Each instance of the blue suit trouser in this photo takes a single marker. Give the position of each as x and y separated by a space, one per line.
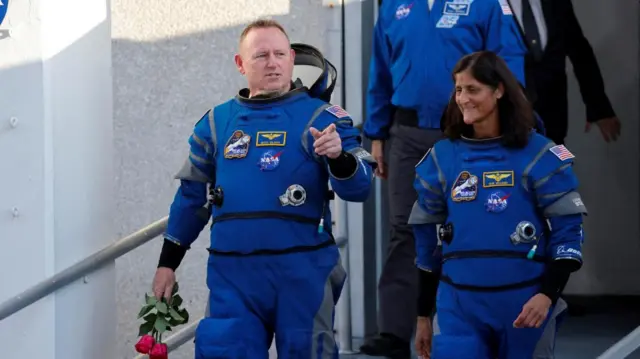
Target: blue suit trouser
479 325
253 298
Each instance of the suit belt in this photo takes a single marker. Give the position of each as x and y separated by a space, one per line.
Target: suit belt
275 215
409 117
406 117
491 254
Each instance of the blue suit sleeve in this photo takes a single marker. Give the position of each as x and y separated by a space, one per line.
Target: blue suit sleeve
539 124
504 39
355 186
188 215
380 89
428 211
555 185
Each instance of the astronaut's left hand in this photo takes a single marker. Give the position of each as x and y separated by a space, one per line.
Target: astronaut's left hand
328 142
534 312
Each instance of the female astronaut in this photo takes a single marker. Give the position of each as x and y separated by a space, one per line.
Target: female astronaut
503 202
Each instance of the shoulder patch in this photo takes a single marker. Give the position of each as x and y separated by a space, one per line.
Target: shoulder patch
506 8
424 157
337 111
561 152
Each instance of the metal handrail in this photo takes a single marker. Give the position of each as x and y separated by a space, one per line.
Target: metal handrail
189 332
624 347
96 261
82 268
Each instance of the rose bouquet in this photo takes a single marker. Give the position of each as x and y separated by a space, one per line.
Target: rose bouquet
159 316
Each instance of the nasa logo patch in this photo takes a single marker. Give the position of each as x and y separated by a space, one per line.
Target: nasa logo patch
403 11
496 202
465 188
269 161
4 5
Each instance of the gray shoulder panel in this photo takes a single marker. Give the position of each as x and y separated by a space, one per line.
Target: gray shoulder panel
305 141
191 173
441 177
570 203
530 165
420 216
214 136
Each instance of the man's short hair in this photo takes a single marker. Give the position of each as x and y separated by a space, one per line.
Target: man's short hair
262 24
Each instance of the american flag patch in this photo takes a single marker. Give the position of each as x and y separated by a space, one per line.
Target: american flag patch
561 152
506 9
337 111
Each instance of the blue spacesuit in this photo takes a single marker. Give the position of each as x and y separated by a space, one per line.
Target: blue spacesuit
415 50
506 214
273 265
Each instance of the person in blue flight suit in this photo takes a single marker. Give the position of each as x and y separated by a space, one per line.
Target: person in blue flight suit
416 43
268 156
510 219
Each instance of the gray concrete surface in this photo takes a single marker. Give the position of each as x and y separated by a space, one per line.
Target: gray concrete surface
171 62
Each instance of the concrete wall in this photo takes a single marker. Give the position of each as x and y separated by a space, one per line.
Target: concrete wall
172 61
56 187
609 172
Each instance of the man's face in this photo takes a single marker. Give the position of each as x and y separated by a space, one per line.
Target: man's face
266 60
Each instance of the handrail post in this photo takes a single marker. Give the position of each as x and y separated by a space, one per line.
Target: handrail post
343 309
343 312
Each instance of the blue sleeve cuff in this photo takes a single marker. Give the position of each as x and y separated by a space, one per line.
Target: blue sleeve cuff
428 254
567 237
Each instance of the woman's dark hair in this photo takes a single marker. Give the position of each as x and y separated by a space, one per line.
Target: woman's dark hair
514 110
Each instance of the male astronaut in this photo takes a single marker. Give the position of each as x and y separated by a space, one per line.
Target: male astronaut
269 155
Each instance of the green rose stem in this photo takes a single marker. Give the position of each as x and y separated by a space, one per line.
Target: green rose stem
160 316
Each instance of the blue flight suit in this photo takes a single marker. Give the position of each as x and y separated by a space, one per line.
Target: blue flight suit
415 50
491 266
273 265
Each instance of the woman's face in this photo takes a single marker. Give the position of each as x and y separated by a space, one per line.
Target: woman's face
476 101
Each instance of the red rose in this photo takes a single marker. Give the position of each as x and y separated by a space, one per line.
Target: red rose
145 344
159 351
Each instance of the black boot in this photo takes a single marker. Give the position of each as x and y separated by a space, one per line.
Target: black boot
387 345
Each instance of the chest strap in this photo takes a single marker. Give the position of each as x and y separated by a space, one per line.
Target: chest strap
265 214
492 253
269 252
497 288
